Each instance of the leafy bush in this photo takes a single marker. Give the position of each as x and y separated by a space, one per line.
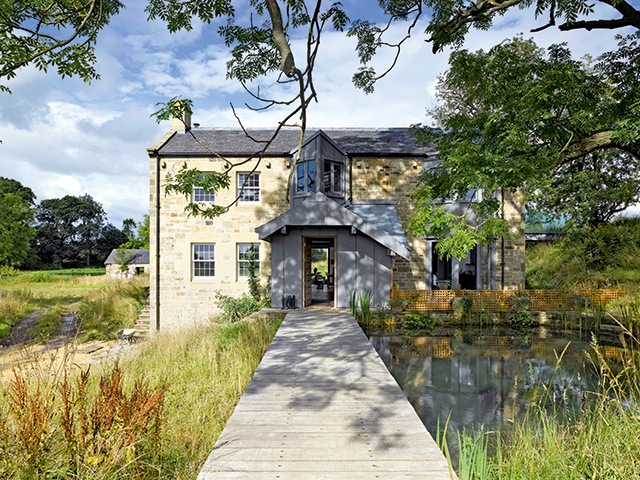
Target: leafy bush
418 321
600 257
461 307
236 308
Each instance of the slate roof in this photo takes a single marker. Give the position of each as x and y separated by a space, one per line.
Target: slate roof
137 257
353 141
320 210
384 215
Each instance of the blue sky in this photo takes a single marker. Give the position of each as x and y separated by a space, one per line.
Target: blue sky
65 137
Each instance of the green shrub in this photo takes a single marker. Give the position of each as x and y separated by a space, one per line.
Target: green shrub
236 308
461 307
423 321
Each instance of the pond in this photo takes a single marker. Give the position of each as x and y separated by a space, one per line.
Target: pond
487 378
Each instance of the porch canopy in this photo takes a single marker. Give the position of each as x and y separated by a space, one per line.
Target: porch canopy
377 220
363 239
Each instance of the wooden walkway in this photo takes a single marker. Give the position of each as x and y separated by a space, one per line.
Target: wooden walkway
322 405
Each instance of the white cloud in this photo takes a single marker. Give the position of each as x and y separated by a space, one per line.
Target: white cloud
65 137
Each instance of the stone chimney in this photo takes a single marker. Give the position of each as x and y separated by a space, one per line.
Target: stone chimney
181 123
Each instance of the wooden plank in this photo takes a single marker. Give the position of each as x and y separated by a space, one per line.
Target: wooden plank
323 405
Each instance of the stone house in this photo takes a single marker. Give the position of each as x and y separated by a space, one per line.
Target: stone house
136 261
349 196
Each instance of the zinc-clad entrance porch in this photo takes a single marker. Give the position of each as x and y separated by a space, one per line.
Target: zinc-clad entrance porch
322 405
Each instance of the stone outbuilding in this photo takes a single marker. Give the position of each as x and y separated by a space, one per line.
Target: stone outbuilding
127 263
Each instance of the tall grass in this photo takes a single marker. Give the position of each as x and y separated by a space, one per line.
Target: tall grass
601 442
155 414
14 304
114 307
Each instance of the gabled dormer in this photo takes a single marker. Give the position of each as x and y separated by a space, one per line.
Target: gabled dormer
322 168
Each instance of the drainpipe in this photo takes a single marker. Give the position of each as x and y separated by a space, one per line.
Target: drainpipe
157 285
502 238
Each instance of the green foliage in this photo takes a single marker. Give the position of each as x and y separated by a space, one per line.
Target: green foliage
235 309
604 256
365 297
492 104
138 240
16 218
70 230
14 304
107 311
461 307
60 35
122 258
423 321
186 179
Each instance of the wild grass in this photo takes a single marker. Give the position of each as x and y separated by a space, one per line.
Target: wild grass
601 442
14 304
601 257
155 414
108 310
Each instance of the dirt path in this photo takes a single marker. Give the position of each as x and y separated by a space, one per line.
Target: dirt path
17 351
22 331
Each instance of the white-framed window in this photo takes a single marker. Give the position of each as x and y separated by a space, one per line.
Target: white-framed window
249 187
200 195
248 253
203 260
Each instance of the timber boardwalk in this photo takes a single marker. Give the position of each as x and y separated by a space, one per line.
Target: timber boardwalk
322 405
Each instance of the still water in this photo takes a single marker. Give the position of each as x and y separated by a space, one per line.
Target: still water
486 379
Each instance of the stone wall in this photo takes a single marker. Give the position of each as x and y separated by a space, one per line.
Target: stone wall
394 179
185 300
514 246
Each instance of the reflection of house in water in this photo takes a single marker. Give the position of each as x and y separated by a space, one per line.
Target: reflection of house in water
477 381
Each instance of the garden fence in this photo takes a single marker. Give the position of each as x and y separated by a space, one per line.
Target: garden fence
498 300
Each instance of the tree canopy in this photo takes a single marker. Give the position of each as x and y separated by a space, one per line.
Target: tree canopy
16 217
517 116
571 109
72 232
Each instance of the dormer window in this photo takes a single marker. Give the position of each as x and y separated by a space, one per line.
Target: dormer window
305 177
320 169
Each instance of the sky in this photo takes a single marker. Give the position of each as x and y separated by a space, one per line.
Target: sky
65 137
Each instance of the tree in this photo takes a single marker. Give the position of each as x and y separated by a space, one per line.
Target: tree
16 217
69 230
517 116
452 19
60 35
138 239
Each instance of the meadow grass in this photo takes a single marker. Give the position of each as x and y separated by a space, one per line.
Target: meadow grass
602 442
155 414
59 291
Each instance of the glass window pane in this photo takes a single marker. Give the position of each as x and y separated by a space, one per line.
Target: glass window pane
200 195
311 177
203 260
337 178
300 178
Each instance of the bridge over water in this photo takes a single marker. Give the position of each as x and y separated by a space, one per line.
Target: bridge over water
322 405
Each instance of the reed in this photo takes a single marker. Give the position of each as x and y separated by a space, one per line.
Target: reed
600 442
154 414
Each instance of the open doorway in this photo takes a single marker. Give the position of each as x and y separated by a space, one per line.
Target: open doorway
319 268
